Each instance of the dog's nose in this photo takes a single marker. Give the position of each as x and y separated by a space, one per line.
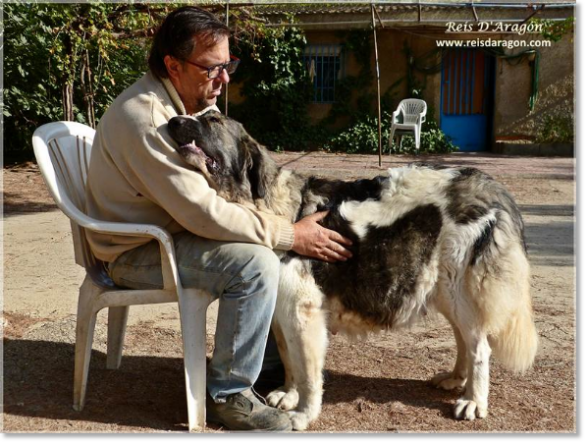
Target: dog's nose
179 121
176 122
183 129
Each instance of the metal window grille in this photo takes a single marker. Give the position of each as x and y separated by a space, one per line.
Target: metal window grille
325 67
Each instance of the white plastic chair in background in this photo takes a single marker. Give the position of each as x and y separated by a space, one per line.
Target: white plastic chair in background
409 116
62 150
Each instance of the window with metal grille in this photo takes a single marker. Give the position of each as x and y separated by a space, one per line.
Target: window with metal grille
325 67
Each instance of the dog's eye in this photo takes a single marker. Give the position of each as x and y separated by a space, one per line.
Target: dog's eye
214 119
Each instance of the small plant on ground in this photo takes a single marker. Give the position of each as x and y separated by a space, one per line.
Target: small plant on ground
557 129
362 137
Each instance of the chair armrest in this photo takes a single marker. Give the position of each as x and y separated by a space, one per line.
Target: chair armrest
394 117
169 270
124 228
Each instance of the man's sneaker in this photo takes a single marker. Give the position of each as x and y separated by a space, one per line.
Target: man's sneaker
243 411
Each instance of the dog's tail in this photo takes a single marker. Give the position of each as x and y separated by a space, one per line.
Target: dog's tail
507 303
515 346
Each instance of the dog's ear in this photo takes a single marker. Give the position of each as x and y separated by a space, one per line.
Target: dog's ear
261 168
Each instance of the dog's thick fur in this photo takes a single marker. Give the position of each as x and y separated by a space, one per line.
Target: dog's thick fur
424 237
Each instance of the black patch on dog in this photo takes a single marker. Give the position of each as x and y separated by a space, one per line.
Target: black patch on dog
473 194
386 264
466 204
482 243
336 192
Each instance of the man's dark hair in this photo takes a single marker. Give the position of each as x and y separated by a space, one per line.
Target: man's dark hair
176 35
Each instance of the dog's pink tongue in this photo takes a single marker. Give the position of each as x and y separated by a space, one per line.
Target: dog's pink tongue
193 148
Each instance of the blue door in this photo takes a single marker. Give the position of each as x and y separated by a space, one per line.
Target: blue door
466 95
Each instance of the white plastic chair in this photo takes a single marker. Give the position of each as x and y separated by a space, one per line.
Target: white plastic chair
409 116
62 150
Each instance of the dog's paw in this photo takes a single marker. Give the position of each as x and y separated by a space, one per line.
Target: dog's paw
283 399
447 381
274 397
299 421
469 409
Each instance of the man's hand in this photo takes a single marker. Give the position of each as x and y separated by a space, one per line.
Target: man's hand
313 240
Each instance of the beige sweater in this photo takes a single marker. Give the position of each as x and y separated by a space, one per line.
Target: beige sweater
136 176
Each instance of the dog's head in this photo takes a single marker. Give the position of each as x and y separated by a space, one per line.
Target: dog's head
234 164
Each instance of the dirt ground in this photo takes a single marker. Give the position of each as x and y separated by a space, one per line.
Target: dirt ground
375 386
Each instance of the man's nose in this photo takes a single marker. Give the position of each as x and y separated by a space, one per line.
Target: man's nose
224 77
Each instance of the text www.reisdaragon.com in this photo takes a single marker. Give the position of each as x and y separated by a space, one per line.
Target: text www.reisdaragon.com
492 43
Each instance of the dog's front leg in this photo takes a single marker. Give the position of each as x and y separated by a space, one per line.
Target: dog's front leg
307 345
302 323
305 335
285 397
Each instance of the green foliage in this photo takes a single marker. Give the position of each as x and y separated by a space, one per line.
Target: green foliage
28 97
362 137
553 30
277 88
68 61
358 44
557 128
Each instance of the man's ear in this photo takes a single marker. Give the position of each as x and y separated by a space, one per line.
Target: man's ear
261 169
173 66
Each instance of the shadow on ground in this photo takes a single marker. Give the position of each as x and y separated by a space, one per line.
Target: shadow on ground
145 392
347 388
550 240
15 203
149 392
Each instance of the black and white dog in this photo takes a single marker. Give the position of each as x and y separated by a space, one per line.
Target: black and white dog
424 237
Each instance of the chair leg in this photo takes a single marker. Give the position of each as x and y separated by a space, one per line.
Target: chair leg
417 137
192 308
86 322
390 143
117 317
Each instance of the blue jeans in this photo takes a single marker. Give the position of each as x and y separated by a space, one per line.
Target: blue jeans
244 277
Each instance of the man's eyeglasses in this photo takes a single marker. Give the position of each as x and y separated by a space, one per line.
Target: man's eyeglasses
215 71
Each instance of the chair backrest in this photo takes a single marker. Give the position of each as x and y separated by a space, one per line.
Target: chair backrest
62 150
411 109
